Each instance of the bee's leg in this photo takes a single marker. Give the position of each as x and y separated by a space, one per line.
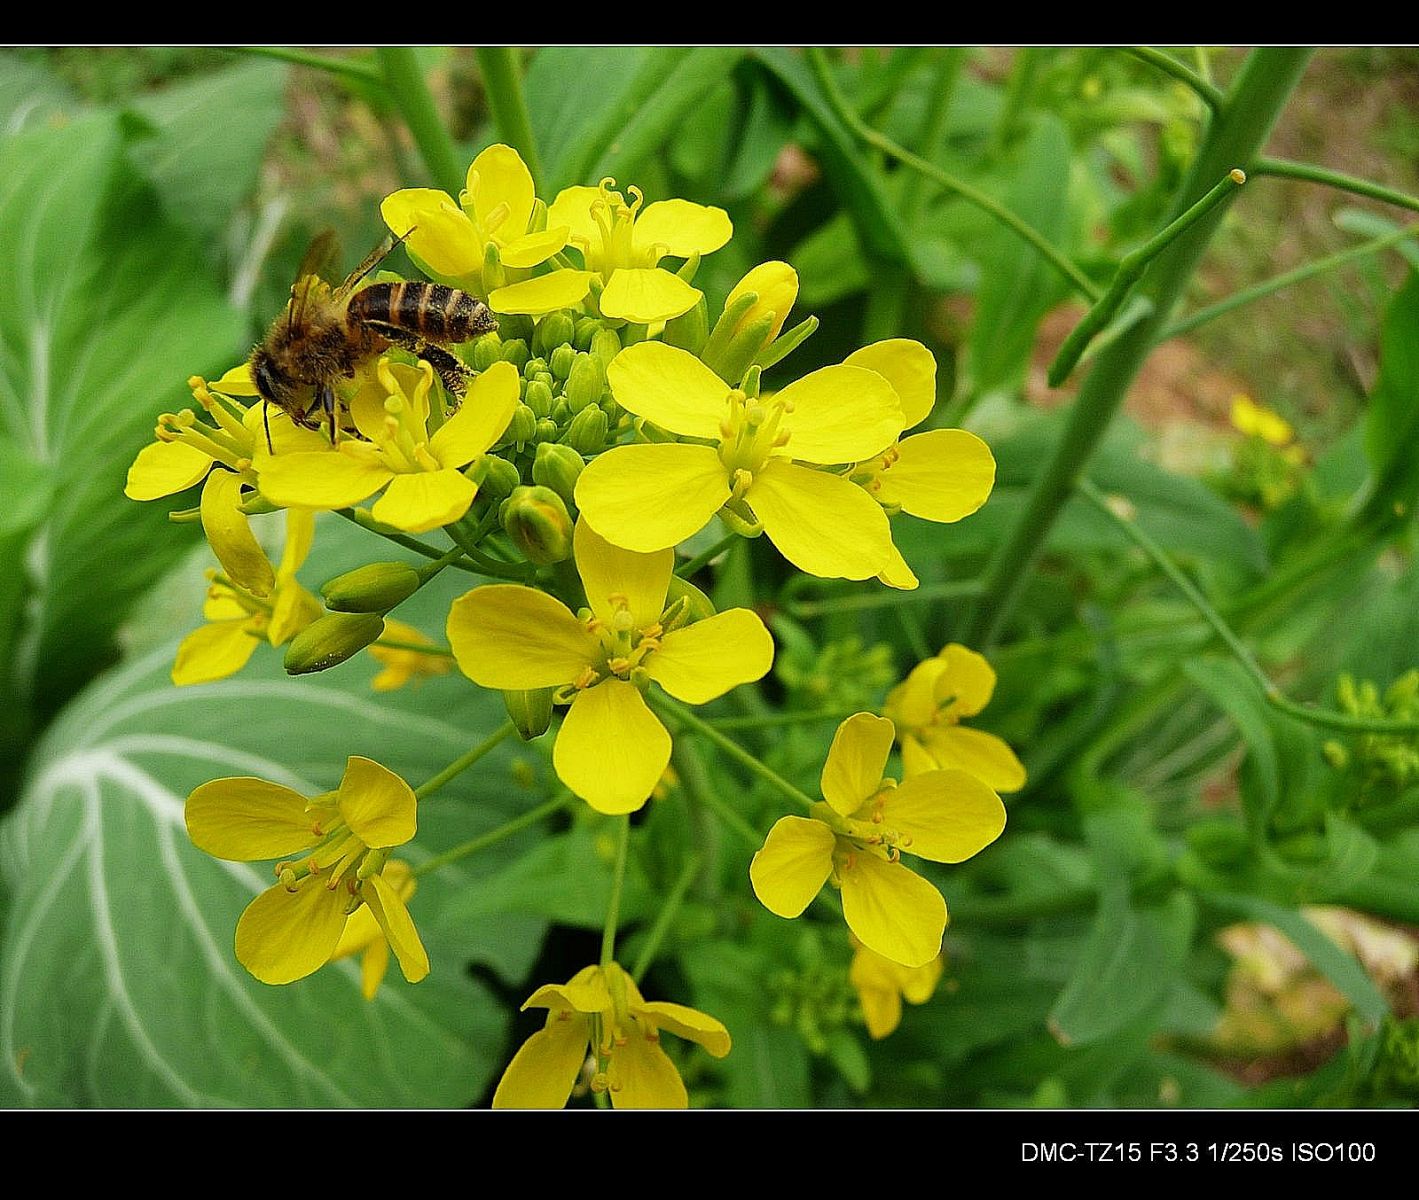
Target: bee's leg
449 368
266 421
326 395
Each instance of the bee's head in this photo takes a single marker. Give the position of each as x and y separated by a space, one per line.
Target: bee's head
274 384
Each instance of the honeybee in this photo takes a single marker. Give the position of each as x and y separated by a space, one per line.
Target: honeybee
326 332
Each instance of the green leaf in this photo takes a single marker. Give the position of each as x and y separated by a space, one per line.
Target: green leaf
106 309
112 909
1236 694
31 95
1392 424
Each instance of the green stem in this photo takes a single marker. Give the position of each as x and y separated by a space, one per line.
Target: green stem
665 917
695 785
705 557
461 764
953 590
492 837
350 69
778 720
942 179
613 905
1130 269
1247 296
933 129
502 78
417 647
1281 168
733 819
1325 718
1253 105
410 92
365 521
1209 92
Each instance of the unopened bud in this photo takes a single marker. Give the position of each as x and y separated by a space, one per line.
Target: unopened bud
487 350
586 329
495 477
331 640
538 522
494 276
690 330
693 605
516 352
586 380
555 329
561 361
587 432
547 430
557 467
539 398
523 426
530 711
374 588
561 412
606 345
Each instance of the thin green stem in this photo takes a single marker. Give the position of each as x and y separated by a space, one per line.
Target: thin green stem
665 917
404 79
417 647
779 720
1129 271
349 68
1209 92
1249 295
613 905
448 559
705 557
932 129
365 521
502 79
733 819
953 590
1280 168
1325 718
494 836
942 179
461 764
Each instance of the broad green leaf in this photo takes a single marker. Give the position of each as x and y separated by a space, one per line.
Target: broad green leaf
114 910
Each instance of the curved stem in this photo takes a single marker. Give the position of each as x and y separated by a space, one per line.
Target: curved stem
502 77
365 521
1209 92
407 87
1281 168
613 905
349 68
461 764
705 557
665 917
492 837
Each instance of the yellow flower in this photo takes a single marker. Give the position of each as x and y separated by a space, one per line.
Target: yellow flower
1251 419
927 708
611 749
621 245
855 840
601 1012
238 619
296 926
420 464
363 935
941 475
400 665
819 521
776 285
882 985
493 213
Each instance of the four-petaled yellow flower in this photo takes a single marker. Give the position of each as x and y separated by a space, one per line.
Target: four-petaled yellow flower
611 749
342 839
600 1012
363 935
927 708
647 497
855 840
941 475
238 619
882 985
1250 418
418 456
453 242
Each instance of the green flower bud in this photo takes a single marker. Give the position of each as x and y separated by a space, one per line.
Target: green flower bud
529 711
539 398
743 348
375 588
331 640
538 522
516 352
606 345
561 412
557 467
544 377
690 603
487 350
547 430
587 432
533 367
524 425
493 274
495 477
555 329
561 361
586 329
586 381
690 330
614 412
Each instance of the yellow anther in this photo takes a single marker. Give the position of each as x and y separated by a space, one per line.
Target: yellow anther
195 381
619 665
586 679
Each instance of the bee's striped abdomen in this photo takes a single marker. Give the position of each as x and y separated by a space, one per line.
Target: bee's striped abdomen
434 312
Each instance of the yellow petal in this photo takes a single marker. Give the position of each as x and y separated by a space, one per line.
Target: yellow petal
898 573
681 228
916 759
941 475
792 866
641 1074
229 534
376 803
442 235
670 387
389 910
607 570
498 177
546 293
300 536
237 382
611 750
821 523
245 819
919 983
545 1069
511 638
361 932
881 1010
374 963
213 652
424 500
913 702
892 910
532 249
841 414
164 468
646 294
857 761
584 992
968 682
688 1023
776 285
948 815
702 661
480 420
977 753
294 609
649 497
911 370
572 208
284 936
326 481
